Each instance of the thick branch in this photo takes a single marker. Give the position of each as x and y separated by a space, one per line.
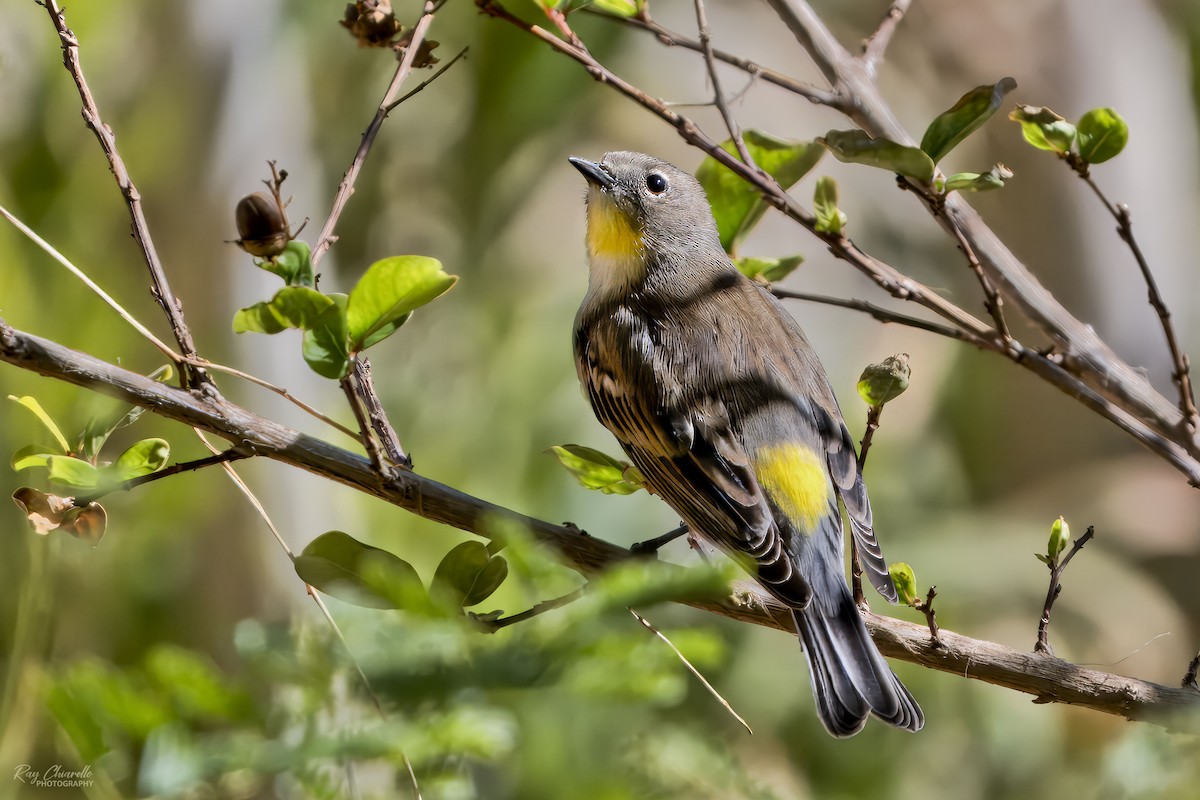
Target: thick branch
1047 678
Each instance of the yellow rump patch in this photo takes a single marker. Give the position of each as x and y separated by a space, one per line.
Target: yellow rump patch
611 236
795 478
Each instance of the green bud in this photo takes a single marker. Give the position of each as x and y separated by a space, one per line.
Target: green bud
884 382
1060 537
905 582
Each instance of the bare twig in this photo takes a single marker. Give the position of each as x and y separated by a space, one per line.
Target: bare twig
346 188
1056 568
355 392
735 132
926 607
1182 366
875 44
864 447
880 314
993 303
365 385
190 375
223 457
692 669
420 86
492 625
655 544
672 39
1049 679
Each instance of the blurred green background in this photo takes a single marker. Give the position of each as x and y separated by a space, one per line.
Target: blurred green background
189 590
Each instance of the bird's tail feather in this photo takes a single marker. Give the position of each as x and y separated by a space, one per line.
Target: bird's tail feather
850 679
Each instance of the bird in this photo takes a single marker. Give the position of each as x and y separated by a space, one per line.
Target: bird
714 393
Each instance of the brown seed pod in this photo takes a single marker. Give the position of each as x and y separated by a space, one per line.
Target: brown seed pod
261 225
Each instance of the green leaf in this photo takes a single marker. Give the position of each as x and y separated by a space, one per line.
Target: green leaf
1102 135
1060 537
388 292
883 382
334 563
965 117
36 407
737 206
103 425
1044 559
994 178
326 346
905 581
143 458
618 8
33 455
73 472
294 264
291 307
468 574
830 219
595 470
1044 129
768 269
856 147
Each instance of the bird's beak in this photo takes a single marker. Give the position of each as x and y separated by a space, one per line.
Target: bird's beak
595 174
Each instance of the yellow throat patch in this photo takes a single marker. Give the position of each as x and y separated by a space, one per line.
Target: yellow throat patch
796 479
613 242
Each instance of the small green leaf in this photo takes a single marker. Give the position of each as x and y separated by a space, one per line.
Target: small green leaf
33 455
294 264
388 292
595 470
291 307
326 347
1102 135
143 458
768 269
33 405
737 206
468 575
994 178
830 219
1045 559
965 117
1060 537
103 425
618 8
905 581
73 472
1044 129
856 147
883 382
334 563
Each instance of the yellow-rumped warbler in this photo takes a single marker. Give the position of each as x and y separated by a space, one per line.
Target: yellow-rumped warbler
717 397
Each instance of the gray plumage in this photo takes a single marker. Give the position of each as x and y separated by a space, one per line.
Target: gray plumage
699 372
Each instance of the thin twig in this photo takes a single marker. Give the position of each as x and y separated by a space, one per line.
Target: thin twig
654 545
875 44
692 669
1049 679
735 132
1182 365
864 447
392 107
493 625
1056 570
346 188
95 287
365 386
223 457
926 607
993 303
670 38
880 314
354 396
189 375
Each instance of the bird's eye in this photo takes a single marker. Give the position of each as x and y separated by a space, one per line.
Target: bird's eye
656 183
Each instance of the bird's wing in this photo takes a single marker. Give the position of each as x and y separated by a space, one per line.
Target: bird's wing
691 458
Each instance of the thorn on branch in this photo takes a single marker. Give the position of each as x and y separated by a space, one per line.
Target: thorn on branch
1056 570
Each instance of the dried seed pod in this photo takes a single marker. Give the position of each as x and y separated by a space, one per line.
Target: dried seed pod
371 22
261 225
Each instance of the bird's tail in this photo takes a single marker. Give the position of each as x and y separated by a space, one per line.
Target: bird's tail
850 679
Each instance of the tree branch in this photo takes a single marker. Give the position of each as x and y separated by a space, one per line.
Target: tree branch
1049 679
875 44
190 374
